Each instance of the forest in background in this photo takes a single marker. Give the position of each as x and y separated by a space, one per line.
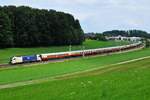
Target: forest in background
29 27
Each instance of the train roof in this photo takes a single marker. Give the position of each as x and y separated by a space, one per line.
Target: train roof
78 51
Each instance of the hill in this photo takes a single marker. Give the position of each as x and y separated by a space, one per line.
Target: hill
130 33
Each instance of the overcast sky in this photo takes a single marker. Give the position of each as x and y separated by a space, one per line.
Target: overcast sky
98 15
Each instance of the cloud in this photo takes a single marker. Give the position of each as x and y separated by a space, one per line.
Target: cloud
49 2
98 15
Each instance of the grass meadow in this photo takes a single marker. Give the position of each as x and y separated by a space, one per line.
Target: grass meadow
88 78
127 82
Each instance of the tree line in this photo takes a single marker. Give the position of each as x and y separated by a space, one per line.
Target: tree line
129 33
27 27
95 36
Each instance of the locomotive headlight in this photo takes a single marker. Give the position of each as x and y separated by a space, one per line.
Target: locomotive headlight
13 60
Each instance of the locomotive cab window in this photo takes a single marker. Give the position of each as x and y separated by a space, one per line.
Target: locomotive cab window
14 58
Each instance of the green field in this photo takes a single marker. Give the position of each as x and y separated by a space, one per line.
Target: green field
125 82
52 69
5 54
88 78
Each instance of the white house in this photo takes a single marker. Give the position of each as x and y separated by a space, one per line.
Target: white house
123 38
135 39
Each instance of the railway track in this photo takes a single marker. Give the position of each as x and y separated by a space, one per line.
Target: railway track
41 62
71 58
4 65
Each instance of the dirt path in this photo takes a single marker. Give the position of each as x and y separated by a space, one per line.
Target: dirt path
60 77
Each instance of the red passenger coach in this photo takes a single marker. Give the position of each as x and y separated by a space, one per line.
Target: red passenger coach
61 55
